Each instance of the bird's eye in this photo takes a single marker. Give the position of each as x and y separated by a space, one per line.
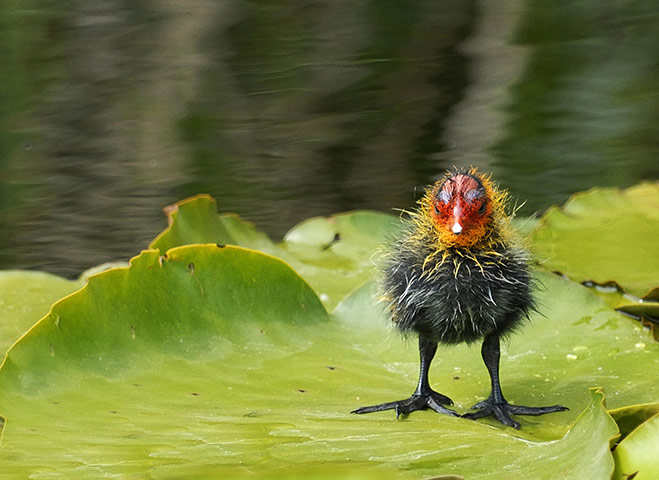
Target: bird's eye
482 209
436 209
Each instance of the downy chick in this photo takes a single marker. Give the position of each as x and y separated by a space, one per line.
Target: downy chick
459 274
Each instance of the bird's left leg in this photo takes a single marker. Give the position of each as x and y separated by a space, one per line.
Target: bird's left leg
424 396
496 404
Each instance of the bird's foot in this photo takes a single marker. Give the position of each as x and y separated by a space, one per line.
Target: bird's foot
432 400
502 411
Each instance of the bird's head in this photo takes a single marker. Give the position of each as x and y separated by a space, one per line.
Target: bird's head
462 207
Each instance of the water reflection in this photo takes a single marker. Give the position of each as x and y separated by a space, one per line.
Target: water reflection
585 110
285 110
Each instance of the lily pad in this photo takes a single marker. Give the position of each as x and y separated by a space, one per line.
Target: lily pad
195 220
648 309
334 254
630 418
645 309
604 235
25 297
637 456
221 362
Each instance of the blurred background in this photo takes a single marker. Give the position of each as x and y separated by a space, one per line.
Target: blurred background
282 110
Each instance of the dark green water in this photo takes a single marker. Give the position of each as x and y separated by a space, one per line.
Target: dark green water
284 110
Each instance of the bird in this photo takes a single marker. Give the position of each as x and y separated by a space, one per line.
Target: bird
459 273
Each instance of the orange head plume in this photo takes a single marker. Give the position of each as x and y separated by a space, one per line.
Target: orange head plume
464 209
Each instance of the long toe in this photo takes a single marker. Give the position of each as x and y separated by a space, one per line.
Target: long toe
410 405
480 405
484 412
441 399
521 410
500 412
440 408
376 408
404 407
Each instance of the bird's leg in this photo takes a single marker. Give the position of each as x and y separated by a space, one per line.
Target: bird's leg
424 396
496 404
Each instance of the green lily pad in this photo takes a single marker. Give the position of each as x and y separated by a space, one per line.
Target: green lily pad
637 456
604 235
221 362
645 309
334 254
629 418
195 220
25 297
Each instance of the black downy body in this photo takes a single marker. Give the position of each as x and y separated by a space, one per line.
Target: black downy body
464 299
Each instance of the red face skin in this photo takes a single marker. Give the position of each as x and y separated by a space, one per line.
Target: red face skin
461 211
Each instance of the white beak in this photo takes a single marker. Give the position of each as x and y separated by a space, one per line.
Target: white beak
457 228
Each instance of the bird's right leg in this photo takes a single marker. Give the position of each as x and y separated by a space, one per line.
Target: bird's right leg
424 396
496 405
